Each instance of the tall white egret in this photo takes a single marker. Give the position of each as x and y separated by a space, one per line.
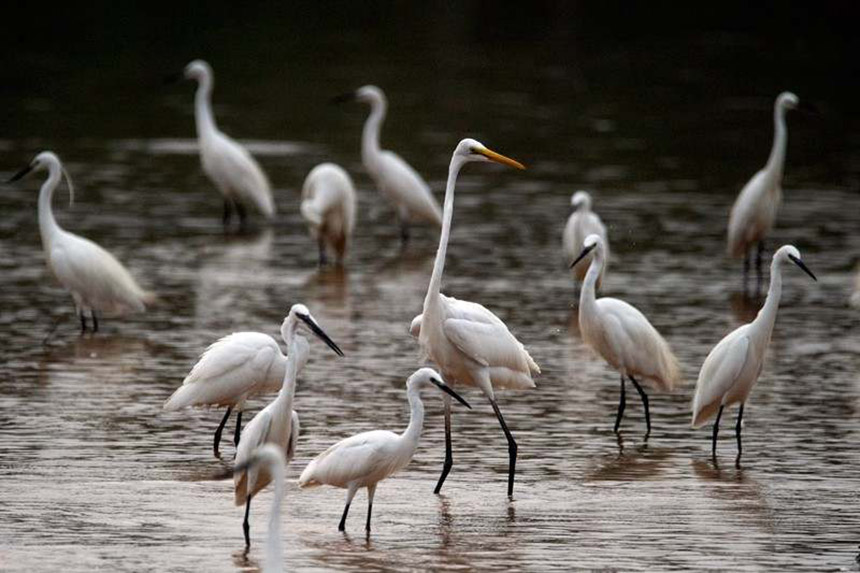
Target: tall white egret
270 459
581 223
623 336
329 205
754 212
394 178
366 459
227 164
240 366
734 365
470 344
97 281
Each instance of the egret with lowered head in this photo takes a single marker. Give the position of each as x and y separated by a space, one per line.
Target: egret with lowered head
581 223
366 459
328 205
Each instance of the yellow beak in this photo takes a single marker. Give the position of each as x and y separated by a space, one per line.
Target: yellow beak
499 158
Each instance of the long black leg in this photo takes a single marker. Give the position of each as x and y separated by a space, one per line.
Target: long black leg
449 454
714 435
228 212
219 430
644 397
404 231
323 257
758 264
622 403
512 448
95 321
83 323
246 527
746 268
370 491
243 215
342 525
237 433
738 435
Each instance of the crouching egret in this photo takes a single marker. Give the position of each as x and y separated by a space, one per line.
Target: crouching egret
328 205
470 344
733 366
268 458
96 280
394 178
754 211
227 164
366 459
240 366
623 336
581 223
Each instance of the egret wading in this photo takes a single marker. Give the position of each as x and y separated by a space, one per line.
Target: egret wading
329 205
97 281
366 459
622 335
240 366
732 368
581 223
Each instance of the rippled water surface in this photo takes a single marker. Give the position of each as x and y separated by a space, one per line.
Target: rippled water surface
664 129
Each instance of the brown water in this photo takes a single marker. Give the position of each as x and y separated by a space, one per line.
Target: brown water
664 130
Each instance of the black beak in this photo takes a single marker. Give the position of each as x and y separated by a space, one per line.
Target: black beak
448 390
343 98
172 78
803 267
315 328
20 174
808 108
582 255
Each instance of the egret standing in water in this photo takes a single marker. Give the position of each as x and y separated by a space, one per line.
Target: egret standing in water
734 365
366 459
328 205
97 281
240 366
470 344
581 223
754 212
623 336
394 178
229 165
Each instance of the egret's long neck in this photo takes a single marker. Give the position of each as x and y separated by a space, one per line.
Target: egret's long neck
416 418
776 161
274 553
370 149
435 286
288 388
48 226
588 295
767 314
203 109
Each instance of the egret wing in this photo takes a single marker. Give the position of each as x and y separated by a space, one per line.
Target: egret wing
720 371
255 434
355 458
294 436
488 344
234 164
400 181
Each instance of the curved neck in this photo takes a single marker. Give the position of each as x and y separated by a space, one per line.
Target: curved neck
435 286
291 373
416 418
776 161
48 226
588 296
274 553
203 108
767 314
370 149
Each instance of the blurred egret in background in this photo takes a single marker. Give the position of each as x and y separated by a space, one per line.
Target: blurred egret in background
329 205
581 223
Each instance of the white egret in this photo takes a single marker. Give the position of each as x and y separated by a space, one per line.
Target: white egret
329 205
366 459
394 178
97 281
581 223
227 164
240 366
623 336
470 344
754 211
733 366
268 458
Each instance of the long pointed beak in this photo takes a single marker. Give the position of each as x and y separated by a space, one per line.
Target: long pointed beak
20 174
448 390
802 266
582 255
343 98
315 328
499 158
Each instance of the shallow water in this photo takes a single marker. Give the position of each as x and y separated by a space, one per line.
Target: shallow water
95 475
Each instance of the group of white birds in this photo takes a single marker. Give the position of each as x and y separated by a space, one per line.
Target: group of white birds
468 344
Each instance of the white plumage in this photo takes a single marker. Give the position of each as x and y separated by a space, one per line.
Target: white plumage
581 223
329 206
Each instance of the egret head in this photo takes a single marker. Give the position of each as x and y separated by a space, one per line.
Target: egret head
581 200
45 160
790 252
471 150
370 95
300 317
197 70
590 243
787 100
427 376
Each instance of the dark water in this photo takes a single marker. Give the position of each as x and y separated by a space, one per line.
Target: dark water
663 127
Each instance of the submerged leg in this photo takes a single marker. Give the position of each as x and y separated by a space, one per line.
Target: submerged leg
644 397
622 403
95 321
512 447
738 435
350 493
221 429
714 435
238 431
246 527
449 455
371 489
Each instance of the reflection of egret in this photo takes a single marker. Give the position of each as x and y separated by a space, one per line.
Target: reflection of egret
581 223
328 205
734 365
639 463
242 365
366 459
96 280
623 336
395 178
470 344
